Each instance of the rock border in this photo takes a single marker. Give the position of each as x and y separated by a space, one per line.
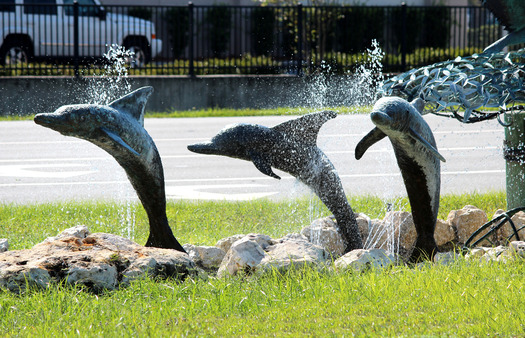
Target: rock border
103 261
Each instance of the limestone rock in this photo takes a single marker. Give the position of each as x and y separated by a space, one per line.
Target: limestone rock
364 223
496 253
323 232
486 254
225 243
14 277
405 228
444 232
498 213
79 231
207 257
98 261
290 237
263 240
475 253
446 258
506 230
362 259
396 228
4 244
518 248
466 221
377 236
293 251
97 275
244 255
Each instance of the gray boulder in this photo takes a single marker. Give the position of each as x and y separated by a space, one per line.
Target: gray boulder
293 251
225 243
243 257
362 259
323 232
207 257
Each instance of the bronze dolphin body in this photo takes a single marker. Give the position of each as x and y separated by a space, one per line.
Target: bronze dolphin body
291 147
118 128
418 160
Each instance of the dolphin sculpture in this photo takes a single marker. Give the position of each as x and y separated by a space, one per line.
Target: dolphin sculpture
291 147
118 128
418 159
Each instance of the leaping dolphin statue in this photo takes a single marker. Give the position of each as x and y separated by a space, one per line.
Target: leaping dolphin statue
118 128
418 159
291 147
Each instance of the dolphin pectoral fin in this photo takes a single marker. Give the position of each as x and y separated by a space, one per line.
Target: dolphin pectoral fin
263 165
366 142
425 143
133 103
305 128
119 140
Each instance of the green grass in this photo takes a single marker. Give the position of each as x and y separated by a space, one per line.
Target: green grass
462 299
221 112
224 112
205 222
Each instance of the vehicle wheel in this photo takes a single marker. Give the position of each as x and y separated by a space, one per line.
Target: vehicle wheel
12 53
140 54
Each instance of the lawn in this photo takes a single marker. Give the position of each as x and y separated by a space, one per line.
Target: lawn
465 298
222 112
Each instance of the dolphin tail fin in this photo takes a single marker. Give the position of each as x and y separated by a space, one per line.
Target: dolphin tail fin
426 144
305 128
119 140
374 136
134 103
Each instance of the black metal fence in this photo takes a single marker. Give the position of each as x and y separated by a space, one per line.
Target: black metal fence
192 40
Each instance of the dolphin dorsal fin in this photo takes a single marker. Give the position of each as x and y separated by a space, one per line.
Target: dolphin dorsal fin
133 103
305 128
419 104
374 136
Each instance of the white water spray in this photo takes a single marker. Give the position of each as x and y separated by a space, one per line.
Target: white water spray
111 84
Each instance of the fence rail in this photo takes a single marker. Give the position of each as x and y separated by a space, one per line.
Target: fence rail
193 40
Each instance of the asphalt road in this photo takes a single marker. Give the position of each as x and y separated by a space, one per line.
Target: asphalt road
40 165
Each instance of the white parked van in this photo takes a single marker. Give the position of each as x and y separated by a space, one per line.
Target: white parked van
44 29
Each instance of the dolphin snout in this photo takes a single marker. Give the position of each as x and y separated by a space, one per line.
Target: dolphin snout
43 119
55 122
380 118
203 148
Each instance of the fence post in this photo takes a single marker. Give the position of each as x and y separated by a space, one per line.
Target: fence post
75 38
191 38
299 55
403 36
514 153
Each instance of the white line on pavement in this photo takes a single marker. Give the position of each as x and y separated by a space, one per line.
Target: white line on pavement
72 140
229 179
191 155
